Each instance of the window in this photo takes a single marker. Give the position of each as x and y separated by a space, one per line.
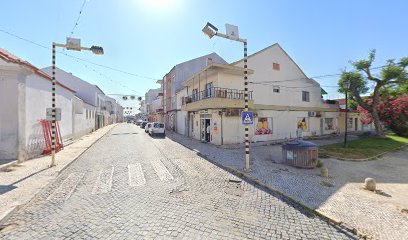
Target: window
328 124
276 89
195 94
276 66
350 123
305 96
208 88
86 113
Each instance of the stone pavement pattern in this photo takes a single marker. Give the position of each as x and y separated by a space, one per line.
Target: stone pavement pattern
22 181
340 196
131 186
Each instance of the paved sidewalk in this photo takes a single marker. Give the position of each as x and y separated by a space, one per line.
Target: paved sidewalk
340 196
21 182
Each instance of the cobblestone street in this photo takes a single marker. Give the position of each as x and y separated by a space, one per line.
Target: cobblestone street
340 197
132 186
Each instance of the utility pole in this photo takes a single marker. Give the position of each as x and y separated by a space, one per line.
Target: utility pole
72 44
346 85
232 34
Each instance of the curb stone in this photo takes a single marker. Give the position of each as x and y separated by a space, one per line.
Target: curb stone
334 221
7 165
14 209
69 164
4 217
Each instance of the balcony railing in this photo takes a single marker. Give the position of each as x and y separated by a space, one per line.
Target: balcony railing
216 92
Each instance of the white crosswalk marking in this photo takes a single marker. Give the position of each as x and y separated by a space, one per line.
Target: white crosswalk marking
161 170
67 187
136 176
104 182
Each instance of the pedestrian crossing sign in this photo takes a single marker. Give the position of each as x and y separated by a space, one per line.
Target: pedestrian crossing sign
247 118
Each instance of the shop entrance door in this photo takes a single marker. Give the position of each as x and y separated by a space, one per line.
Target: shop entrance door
205 130
202 128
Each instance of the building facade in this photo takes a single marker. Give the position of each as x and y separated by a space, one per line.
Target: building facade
25 95
284 100
173 83
105 113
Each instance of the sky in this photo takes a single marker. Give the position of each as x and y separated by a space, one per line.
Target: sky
144 39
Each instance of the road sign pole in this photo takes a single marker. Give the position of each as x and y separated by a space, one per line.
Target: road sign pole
247 166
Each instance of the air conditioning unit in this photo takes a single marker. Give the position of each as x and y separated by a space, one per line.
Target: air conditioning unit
312 114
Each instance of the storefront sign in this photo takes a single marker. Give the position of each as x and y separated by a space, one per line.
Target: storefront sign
203 111
264 126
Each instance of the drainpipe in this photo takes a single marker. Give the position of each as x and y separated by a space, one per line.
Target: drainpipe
222 129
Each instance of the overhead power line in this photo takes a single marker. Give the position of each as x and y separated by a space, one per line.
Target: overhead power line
77 58
315 77
82 62
79 16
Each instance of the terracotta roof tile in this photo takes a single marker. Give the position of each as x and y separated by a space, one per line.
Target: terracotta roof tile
11 58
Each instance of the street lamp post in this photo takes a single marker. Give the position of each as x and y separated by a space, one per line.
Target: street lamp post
211 31
346 86
72 44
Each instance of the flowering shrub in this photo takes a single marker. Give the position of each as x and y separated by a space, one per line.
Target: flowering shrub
393 112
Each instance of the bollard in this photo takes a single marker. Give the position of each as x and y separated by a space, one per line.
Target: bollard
324 172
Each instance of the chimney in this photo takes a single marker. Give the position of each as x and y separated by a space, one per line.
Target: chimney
209 61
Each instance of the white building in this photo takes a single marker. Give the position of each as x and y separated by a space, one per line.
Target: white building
282 98
25 94
90 93
173 82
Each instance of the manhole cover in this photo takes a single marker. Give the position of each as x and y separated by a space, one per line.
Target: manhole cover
234 188
4 229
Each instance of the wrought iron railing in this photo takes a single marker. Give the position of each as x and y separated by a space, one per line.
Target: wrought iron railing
216 92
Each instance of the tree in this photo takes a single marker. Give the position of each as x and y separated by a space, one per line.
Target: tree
392 77
393 112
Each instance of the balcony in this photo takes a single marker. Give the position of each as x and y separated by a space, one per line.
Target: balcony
214 98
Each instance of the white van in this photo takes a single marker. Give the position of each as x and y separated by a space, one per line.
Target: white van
147 127
157 128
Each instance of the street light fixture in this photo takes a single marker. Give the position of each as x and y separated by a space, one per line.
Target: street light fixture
232 34
71 44
346 86
210 30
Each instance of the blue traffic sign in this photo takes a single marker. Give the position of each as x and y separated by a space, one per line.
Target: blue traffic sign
247 118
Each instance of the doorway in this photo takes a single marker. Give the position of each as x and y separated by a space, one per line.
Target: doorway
356 124
206 130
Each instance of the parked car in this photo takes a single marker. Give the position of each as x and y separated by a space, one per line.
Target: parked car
157 128
138 122
147 127
143 124
129 121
